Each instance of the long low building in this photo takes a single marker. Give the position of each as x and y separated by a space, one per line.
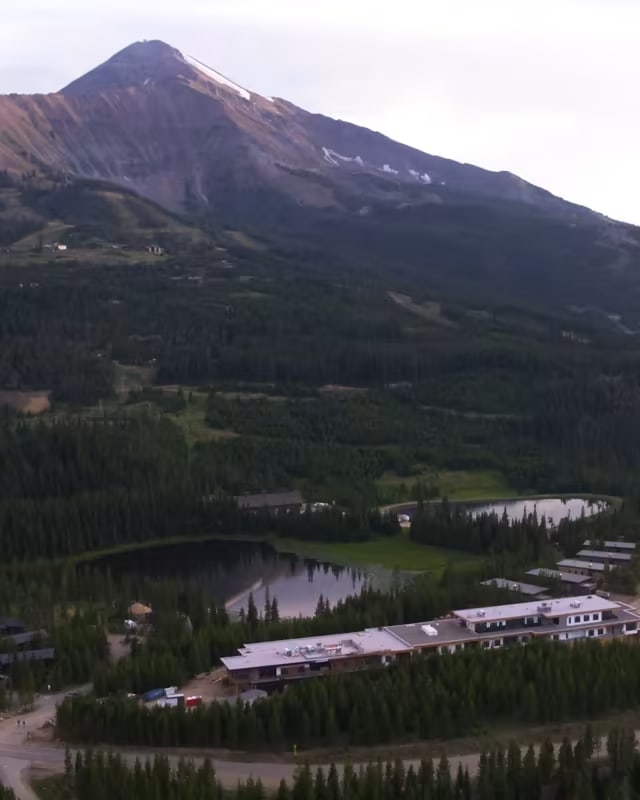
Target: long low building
602 555
19 644
576 582
594 569
612 544
566 619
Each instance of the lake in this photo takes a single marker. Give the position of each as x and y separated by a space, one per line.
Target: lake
231 570
553 509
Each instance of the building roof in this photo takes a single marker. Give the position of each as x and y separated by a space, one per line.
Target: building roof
515 586
537 608
593 566
9 623
554 574
610 544
313 649
42 654
269 500
604 555
446 632
25 638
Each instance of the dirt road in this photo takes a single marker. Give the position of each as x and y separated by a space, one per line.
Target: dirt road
17 755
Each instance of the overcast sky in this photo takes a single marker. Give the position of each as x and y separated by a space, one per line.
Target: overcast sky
547 89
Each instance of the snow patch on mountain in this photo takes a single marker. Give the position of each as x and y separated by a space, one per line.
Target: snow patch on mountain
388 168
424 176
333 158
217 77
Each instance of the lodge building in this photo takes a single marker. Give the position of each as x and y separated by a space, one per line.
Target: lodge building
563 620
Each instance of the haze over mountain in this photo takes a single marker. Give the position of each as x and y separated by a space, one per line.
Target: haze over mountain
179 133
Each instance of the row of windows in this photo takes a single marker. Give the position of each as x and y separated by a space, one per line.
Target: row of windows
585 618
590 632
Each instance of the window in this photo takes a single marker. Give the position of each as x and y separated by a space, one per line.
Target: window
591 632
586 618
600 631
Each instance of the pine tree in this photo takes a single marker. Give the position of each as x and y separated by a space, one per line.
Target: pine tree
252 612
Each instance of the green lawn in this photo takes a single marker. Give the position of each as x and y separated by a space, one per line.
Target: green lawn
477 485
484 484
397 552
193 423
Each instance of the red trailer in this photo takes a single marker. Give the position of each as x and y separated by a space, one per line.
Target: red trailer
193 702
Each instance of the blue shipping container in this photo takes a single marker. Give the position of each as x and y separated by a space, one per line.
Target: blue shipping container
153 694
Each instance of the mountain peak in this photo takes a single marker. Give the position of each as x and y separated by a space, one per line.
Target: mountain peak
149 63
139 62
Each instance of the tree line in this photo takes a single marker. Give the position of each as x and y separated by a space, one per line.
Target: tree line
444 524
74 486
580 770
438 696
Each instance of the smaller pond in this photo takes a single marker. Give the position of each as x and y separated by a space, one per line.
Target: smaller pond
229 571
553 509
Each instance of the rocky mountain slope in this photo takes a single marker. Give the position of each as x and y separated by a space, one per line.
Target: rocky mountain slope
189 138
165 128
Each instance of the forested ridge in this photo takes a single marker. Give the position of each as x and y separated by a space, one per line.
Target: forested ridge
177 385
499 388
75 485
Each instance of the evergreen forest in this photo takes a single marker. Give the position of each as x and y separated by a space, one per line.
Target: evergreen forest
438 697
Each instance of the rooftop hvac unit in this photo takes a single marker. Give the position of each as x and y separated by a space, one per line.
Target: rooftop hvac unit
576 604
482 613
429 630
